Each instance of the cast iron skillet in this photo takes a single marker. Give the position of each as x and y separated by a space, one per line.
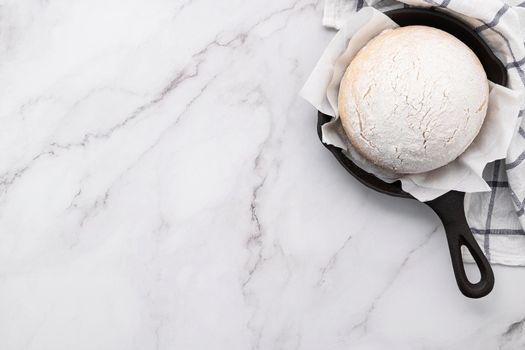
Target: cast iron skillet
449 207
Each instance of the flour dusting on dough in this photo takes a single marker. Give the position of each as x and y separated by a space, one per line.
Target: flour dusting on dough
413 99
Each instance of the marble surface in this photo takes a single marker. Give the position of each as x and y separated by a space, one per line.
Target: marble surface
162 187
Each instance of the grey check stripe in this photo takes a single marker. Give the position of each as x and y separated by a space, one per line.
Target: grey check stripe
486 242
520 205
516 162
522 132
445 3
502 184
515 64
522 113
495 20
496 231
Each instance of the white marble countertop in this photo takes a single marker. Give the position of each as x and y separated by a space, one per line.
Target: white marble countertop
162 187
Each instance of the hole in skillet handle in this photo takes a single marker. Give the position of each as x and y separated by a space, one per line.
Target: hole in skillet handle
456 227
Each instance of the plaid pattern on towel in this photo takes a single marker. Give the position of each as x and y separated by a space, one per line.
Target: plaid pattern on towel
496 218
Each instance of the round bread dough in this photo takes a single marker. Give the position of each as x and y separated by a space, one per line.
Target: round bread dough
413 99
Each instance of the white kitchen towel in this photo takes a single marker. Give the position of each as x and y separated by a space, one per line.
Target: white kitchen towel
497 217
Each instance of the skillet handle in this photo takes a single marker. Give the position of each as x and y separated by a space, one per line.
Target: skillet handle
449 208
